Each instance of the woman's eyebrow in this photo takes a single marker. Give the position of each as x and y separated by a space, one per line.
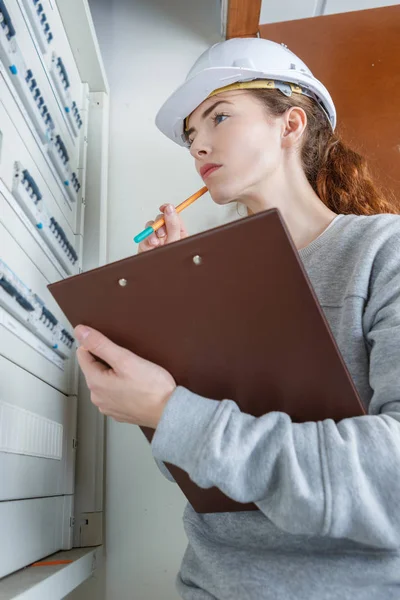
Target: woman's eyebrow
206 113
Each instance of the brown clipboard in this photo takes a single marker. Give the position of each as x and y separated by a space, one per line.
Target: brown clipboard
230 313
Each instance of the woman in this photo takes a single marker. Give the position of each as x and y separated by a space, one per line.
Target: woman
328 493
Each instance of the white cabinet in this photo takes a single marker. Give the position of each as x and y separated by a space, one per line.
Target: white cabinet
53 164
37 438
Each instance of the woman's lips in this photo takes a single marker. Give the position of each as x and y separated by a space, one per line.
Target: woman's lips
209 171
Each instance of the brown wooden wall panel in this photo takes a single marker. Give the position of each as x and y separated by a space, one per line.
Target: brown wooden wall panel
243 18
357 57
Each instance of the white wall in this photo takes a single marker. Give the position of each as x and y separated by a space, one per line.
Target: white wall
147 46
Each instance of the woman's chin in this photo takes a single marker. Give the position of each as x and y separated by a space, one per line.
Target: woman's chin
221 195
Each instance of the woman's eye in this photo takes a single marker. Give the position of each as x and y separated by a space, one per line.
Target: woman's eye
218 116
216 121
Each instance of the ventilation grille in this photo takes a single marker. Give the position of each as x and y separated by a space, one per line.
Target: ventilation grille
24 432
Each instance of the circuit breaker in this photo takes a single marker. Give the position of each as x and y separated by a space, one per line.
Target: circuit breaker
47 114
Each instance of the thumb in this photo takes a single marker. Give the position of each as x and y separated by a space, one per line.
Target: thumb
172 223
99 345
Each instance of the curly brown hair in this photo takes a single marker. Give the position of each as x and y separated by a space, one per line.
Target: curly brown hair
339 175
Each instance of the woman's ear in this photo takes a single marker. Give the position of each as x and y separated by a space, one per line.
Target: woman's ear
294 124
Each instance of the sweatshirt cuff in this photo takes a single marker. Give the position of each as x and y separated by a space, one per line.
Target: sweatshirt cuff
180 434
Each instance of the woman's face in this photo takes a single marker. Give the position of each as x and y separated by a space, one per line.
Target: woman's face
239 135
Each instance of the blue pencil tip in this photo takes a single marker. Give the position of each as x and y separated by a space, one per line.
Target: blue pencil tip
143 235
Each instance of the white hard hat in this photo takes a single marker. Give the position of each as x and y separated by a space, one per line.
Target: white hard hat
240 60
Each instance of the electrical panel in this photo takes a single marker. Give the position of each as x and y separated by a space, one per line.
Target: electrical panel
47 112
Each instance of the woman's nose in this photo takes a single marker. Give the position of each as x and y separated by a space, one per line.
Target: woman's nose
199 147
199 153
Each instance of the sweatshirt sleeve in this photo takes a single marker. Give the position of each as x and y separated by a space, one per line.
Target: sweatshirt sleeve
315 478
164 471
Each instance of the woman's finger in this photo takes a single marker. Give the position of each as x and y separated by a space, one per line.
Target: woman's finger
150 242
91 368
161 232
173 230
172 223
183 231
153 240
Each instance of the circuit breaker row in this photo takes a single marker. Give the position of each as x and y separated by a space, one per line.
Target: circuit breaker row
43 146
48 91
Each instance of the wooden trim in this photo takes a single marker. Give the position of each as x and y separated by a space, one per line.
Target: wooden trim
243 18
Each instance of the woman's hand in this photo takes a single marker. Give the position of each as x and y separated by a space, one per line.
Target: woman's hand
172 231
132 390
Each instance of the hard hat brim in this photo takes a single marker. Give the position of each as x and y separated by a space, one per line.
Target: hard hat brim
194 91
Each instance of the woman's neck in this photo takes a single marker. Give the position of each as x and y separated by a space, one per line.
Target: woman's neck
304 213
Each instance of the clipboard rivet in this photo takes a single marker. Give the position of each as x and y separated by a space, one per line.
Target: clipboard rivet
123 282
197 260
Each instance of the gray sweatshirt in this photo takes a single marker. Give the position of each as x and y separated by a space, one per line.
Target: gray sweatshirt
328 525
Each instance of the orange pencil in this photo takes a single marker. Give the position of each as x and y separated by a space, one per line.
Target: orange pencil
149 230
